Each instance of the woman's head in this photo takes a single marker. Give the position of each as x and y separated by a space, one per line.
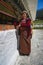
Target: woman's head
24 15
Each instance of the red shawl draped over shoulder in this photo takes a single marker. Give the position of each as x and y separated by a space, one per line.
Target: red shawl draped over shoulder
27 25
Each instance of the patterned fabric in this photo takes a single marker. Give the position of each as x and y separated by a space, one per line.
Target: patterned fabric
27 25
25 37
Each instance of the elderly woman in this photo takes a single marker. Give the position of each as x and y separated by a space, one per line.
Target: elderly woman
25 34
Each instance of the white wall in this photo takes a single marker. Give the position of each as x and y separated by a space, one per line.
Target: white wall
8 47
31 5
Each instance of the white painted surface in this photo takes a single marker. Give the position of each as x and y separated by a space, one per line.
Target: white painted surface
8 47
31 7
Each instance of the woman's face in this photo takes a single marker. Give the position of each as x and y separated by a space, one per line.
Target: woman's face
24 16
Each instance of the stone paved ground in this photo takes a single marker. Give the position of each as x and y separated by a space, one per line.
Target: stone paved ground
36 56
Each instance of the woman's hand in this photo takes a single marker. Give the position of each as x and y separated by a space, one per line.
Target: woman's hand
17 27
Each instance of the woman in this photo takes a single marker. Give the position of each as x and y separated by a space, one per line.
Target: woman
25 34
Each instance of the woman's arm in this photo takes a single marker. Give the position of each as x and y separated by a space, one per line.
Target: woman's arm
17 27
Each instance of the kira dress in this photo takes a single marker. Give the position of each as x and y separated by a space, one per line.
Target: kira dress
25 37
